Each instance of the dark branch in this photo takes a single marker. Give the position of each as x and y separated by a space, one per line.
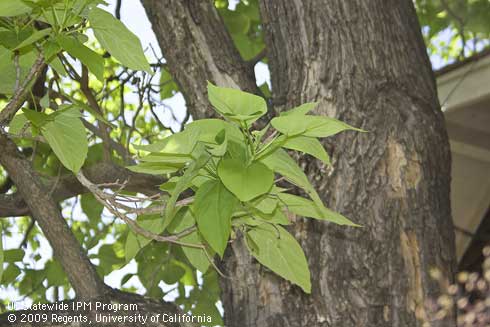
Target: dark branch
20 93
13 205
80 271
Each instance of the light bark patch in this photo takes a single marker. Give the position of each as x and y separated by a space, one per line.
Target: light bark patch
410 253
396 162
403 173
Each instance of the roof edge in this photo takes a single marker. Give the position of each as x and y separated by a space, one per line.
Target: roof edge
451 67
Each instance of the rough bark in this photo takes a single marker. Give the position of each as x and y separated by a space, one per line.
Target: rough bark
67 250
197 48
67 186
364 61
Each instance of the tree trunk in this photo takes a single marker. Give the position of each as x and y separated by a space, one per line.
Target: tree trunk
364 61
197 48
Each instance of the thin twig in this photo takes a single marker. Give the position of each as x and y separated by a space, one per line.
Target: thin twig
133 225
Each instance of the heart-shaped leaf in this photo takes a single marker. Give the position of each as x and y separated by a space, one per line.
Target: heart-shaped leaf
245 181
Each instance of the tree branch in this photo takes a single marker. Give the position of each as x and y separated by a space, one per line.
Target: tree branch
81 273
21 92
13 205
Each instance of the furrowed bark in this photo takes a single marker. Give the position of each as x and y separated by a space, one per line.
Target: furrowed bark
81 273
364 61
197 48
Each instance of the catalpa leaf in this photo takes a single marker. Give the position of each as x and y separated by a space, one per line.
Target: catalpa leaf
197 257
154 168
208 130
309 145
181 143
280 161
236 104
312 126
306 208
36 36
135 242
213 207
246 181
66 135
118 40
91 59
183 183
280 252
1 251
13 8
300 110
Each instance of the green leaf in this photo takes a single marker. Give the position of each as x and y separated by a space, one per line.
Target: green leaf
257 218
219 149
51 48
55 274
245 181
172 273
313 126
197 257
13 255
236 104
118 40
247 46
309 145
36 36
1 251
236 23
266 92
265 204
213 207
167 85
13 8
37 119
154 168
280 252
10 274
182 143
207 308
67 137
306 208
135 242
173 159
91 207
17 124
280 162
208 129
82 106
183 183
300 110
8 70
91 59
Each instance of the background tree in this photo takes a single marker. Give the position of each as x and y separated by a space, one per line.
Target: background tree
363 62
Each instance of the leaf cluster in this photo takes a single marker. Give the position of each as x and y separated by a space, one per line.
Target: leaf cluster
232 172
